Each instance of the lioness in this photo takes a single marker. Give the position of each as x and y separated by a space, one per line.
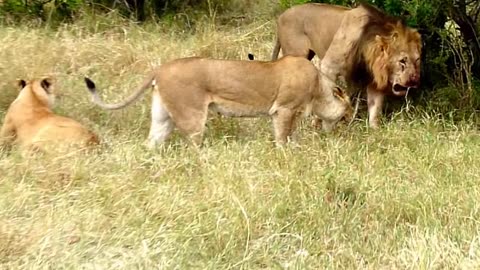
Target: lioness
362 46
184 90
31 124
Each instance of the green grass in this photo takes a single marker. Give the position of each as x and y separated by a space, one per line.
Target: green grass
403 197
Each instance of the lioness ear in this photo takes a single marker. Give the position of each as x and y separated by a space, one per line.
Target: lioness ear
21 83
341 94
46 84
338 92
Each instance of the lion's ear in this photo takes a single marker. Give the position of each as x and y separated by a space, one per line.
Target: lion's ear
400 24
381 42
394 36
415 37
47 83
21 83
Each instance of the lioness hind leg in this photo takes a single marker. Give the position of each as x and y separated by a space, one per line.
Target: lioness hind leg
162 125
283 125
299 46
192 124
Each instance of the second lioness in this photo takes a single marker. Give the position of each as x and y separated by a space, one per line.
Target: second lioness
184 90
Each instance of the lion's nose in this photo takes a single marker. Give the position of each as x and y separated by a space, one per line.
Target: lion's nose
414 80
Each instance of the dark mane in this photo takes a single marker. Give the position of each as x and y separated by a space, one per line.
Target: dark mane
379 23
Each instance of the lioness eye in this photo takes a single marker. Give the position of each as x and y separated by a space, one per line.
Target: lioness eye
403 61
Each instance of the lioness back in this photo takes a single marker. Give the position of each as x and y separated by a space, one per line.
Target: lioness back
62 130
247 88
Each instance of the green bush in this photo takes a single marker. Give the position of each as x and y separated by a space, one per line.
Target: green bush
46 10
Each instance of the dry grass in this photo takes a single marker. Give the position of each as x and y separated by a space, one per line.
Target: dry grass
405 196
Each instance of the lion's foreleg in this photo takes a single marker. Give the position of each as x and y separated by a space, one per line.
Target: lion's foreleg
375 104
283 125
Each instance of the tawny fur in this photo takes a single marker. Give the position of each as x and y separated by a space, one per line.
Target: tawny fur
31 123
361 47
185 89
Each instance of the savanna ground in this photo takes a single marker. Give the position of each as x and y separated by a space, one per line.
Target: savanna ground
403 197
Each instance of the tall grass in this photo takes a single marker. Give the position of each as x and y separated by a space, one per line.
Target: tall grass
405 196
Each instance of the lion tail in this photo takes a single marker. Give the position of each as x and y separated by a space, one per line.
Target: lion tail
148 82
276 49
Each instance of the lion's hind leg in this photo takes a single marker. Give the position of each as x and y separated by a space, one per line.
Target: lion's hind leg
298 46
191 121
194 126
162 124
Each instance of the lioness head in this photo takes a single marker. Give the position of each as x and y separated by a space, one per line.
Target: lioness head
342 95
43 89
395 59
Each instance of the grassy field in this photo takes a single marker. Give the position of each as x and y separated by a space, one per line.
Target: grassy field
403 197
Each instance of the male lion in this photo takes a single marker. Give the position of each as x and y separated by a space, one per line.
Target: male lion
32 125
184 90
361 46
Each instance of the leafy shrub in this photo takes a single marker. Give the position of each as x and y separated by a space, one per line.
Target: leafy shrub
46 10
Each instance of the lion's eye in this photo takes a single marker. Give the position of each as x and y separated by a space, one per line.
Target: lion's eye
403 61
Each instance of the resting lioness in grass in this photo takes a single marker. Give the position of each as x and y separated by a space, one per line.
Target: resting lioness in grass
32 125
184 90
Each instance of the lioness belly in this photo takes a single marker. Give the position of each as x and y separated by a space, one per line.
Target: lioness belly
233 109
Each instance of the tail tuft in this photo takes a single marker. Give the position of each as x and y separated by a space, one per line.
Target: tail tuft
90 85
251 56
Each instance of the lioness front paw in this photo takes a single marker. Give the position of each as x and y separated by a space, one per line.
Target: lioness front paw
150 144
374 124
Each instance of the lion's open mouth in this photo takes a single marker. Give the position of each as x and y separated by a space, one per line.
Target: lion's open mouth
400 90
